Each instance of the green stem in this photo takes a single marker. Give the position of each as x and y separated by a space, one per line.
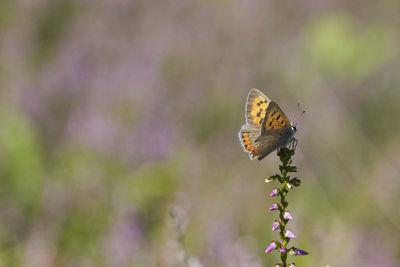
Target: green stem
284 191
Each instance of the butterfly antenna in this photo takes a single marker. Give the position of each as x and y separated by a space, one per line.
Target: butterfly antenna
298 116
294 115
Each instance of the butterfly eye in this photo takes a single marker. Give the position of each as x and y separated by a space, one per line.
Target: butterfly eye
294 128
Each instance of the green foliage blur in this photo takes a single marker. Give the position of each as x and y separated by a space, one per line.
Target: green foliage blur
113 112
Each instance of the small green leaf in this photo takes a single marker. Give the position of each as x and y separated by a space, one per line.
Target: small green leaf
275 176
296 182
272 178
291 169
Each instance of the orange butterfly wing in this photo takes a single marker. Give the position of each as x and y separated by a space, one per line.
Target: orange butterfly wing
256 107
247 136
274 119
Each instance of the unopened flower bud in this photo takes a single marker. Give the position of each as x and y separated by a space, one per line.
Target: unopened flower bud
275 225
287 215
274 207
289 234
271 247
297 252
272 178
274 192
288 186
268 180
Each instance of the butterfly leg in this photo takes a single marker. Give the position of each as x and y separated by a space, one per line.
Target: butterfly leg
293 144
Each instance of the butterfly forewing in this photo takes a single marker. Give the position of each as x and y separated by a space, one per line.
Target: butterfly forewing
274 119
256 107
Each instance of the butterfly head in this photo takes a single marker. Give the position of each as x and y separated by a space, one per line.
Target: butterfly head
294 127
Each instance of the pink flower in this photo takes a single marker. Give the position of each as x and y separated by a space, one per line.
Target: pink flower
273 207
271 247
275 225
274 192
287 215
289 234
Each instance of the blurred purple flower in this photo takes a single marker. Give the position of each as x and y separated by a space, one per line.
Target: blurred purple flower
225 248
93 129
156 139
123 244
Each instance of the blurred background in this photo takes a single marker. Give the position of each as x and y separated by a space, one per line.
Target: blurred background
114 111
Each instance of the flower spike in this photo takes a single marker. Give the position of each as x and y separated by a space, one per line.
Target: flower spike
286 184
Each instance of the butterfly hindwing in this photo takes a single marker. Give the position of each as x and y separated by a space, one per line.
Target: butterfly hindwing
247 135
256 107
268 143
274 119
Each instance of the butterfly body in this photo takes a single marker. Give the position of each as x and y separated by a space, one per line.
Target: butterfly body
267 128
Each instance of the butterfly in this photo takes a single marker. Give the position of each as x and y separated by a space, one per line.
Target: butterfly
267 128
